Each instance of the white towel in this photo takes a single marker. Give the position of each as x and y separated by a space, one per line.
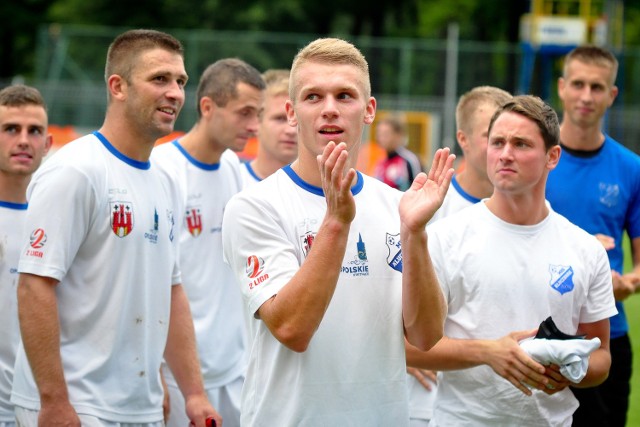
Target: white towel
571 355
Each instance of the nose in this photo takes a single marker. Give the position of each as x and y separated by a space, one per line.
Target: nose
176 91
586 95
290 131
506 153
253 124
329 107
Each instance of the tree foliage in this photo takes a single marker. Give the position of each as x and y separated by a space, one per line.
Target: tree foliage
496 20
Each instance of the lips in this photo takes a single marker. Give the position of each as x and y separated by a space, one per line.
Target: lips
331 130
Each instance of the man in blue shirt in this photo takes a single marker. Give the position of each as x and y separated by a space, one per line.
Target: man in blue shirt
597 186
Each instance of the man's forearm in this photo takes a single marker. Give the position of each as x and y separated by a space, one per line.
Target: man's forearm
40 331
423 305
181 351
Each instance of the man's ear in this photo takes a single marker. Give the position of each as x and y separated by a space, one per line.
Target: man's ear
553 157
207 106
370 112
291 114
117 87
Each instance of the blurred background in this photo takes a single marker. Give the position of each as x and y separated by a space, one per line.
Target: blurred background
423 53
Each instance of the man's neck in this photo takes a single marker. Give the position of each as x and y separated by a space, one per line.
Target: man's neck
263 167
199 146
474 184
127 139
579 138
13 188
524 209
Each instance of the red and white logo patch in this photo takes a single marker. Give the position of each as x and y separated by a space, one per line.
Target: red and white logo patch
194 221
121 218
255 265
38 238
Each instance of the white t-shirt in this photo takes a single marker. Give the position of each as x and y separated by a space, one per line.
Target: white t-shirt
214 296
354 370
421 400
248 175
498 278
102 224
11 230
455 200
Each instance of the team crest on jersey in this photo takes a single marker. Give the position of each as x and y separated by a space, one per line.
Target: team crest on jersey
307 241
609 194
37 240
254 270
394 258
561 278
194 221
359 266
152 234
121 218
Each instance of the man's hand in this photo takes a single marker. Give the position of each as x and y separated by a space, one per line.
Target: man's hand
58 414
512 363
337 182
199 409
557 382
427 192
624 285
607 241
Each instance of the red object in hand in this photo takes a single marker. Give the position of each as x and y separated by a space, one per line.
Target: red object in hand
210 422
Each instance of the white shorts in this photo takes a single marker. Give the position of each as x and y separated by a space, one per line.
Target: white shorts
7 424
29 418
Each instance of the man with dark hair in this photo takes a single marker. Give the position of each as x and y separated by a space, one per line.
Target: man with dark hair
597 187
204 166
99 294
506 264
23 144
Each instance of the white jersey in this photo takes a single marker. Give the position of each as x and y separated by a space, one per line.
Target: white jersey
455 200
421 400
102 225
214 297
498 278
354 370
249 176
11 230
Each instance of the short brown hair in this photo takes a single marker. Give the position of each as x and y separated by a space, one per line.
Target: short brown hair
537 111
593 55
395 122
220 81
20 95
124 50
276 81
471 100
330 51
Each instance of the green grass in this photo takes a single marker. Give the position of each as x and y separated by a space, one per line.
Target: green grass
632 309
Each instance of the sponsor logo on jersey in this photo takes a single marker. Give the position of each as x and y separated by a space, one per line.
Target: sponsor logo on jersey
152 234
121 218
394 258
359 266
561 278
37 240
194 221
609 194
254 269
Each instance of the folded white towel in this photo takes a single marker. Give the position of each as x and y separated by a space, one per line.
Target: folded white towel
571 355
